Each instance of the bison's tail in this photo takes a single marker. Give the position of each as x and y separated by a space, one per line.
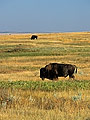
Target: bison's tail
75 71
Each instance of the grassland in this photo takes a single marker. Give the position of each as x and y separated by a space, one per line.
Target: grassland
24 96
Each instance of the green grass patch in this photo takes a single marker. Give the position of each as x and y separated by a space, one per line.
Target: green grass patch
47 86
21 50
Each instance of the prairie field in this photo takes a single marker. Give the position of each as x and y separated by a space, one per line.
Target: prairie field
24 96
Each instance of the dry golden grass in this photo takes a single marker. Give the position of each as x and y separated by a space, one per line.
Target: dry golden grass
66 41
44 105
15 65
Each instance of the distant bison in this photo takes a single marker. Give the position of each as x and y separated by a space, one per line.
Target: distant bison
54 70
34 37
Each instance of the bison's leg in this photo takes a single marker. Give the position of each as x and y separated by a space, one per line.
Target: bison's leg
43 79
55 74
72 76
55 79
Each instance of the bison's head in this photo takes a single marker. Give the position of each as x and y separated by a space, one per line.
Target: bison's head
42 73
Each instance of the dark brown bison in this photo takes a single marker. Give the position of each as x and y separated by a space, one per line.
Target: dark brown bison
54 70
34 37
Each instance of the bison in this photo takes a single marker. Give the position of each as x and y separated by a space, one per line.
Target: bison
34 37
54 70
